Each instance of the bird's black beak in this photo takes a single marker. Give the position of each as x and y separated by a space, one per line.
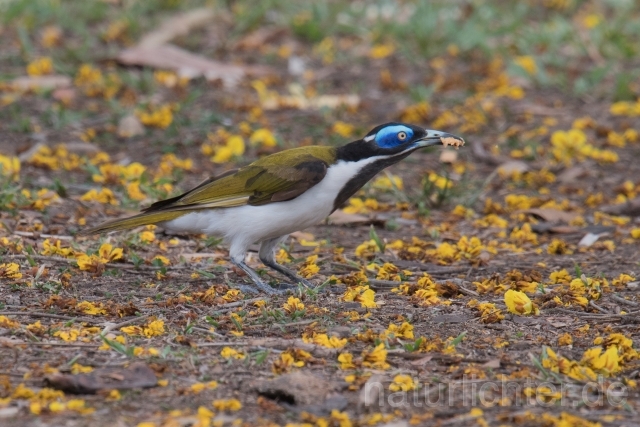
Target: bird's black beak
436 137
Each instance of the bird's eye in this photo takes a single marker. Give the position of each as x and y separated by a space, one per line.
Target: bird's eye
402 136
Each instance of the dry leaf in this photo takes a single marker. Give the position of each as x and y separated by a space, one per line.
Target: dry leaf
630 208
572 174
303 103
551 215
10 341
396 423
28 154
483 155
212 255
260 37
493 363
450 318
138 375
41 82
175 26
9 411
558 324
296 66
129 126
153 51
340 217
589 239
299 388
370 392
513 166
81 148
334 101
187 64
525 320
448 156
64 94
301 235
422 361
563 229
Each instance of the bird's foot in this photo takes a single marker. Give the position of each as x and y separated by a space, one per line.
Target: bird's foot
285 286
247 289
280 288
307 284
258 287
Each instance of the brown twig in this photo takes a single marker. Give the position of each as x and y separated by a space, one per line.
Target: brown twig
624 301
430 268
346 266
38 235
288 325
61 344
12 374
462 289
41 258
132 267
588 316
121 266
280 344
111 326
226 344
49 315
215 334
467 292
379 285
597 307
227 307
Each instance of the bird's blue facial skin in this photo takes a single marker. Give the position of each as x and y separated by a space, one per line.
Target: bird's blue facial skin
392 136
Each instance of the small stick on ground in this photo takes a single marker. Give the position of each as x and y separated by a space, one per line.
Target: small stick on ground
288 325
227 307
61 344
206 331
380 285
111 326
44 236
624 301
459 283
49 315
121 266
597 307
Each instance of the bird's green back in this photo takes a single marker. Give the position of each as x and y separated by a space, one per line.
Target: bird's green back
277 177
274 178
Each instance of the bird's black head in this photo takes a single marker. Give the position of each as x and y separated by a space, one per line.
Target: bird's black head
392 139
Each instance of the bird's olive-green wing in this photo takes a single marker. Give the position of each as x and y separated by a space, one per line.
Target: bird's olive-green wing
279 177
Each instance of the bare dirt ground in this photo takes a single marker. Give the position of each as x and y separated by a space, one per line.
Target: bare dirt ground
493 285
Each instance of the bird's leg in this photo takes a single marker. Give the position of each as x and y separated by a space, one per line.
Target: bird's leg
267 256
237 253
255 278
247 289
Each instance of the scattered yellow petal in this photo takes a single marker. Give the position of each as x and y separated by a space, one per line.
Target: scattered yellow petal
227 405
402 383
519 303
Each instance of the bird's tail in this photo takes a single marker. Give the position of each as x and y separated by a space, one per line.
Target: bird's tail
145 218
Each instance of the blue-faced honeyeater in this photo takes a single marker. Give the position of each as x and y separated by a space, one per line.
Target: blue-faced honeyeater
281 193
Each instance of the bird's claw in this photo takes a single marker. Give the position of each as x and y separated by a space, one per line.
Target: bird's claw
257 288
307 284
285 287
247 289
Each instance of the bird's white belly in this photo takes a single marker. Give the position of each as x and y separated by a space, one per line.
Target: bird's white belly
252 224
